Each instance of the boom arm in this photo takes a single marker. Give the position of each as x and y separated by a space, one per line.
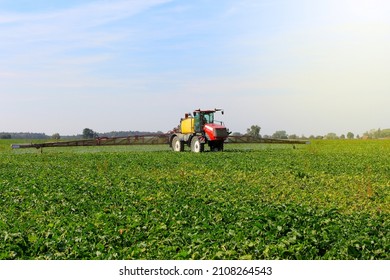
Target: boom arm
154 139
102 141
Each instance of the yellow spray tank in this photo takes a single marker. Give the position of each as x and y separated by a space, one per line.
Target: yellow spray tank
187 125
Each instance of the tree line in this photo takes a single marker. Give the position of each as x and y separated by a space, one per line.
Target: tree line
377 133
254 131
90 134
87 133
23 135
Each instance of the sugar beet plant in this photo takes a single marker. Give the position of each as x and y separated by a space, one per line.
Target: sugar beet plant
326 200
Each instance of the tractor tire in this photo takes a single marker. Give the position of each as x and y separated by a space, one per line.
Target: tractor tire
177 145
196 145
216 147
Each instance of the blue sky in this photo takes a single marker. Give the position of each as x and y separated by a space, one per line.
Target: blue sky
307 67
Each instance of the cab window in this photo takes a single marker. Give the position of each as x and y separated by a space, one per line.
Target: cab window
208 117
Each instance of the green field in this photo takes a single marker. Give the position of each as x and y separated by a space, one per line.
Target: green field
326 200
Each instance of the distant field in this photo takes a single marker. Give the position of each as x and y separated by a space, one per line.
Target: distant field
326 200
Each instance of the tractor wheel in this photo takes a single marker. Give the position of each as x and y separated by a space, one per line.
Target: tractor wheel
177 145
216 147
196 145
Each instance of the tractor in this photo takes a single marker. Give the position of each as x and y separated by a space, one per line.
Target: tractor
198 129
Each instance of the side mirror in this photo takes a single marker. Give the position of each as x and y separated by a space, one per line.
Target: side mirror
222 112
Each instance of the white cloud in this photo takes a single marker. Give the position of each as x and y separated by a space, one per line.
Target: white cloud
65 48
54 32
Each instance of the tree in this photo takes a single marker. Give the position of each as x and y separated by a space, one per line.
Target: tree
331 135
280 134
377 133
56 136
350 135
254 131
89 133
5 136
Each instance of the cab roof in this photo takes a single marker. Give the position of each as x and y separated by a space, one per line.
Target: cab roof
207 111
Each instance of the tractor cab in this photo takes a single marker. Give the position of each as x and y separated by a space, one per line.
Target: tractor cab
204 117
205 124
